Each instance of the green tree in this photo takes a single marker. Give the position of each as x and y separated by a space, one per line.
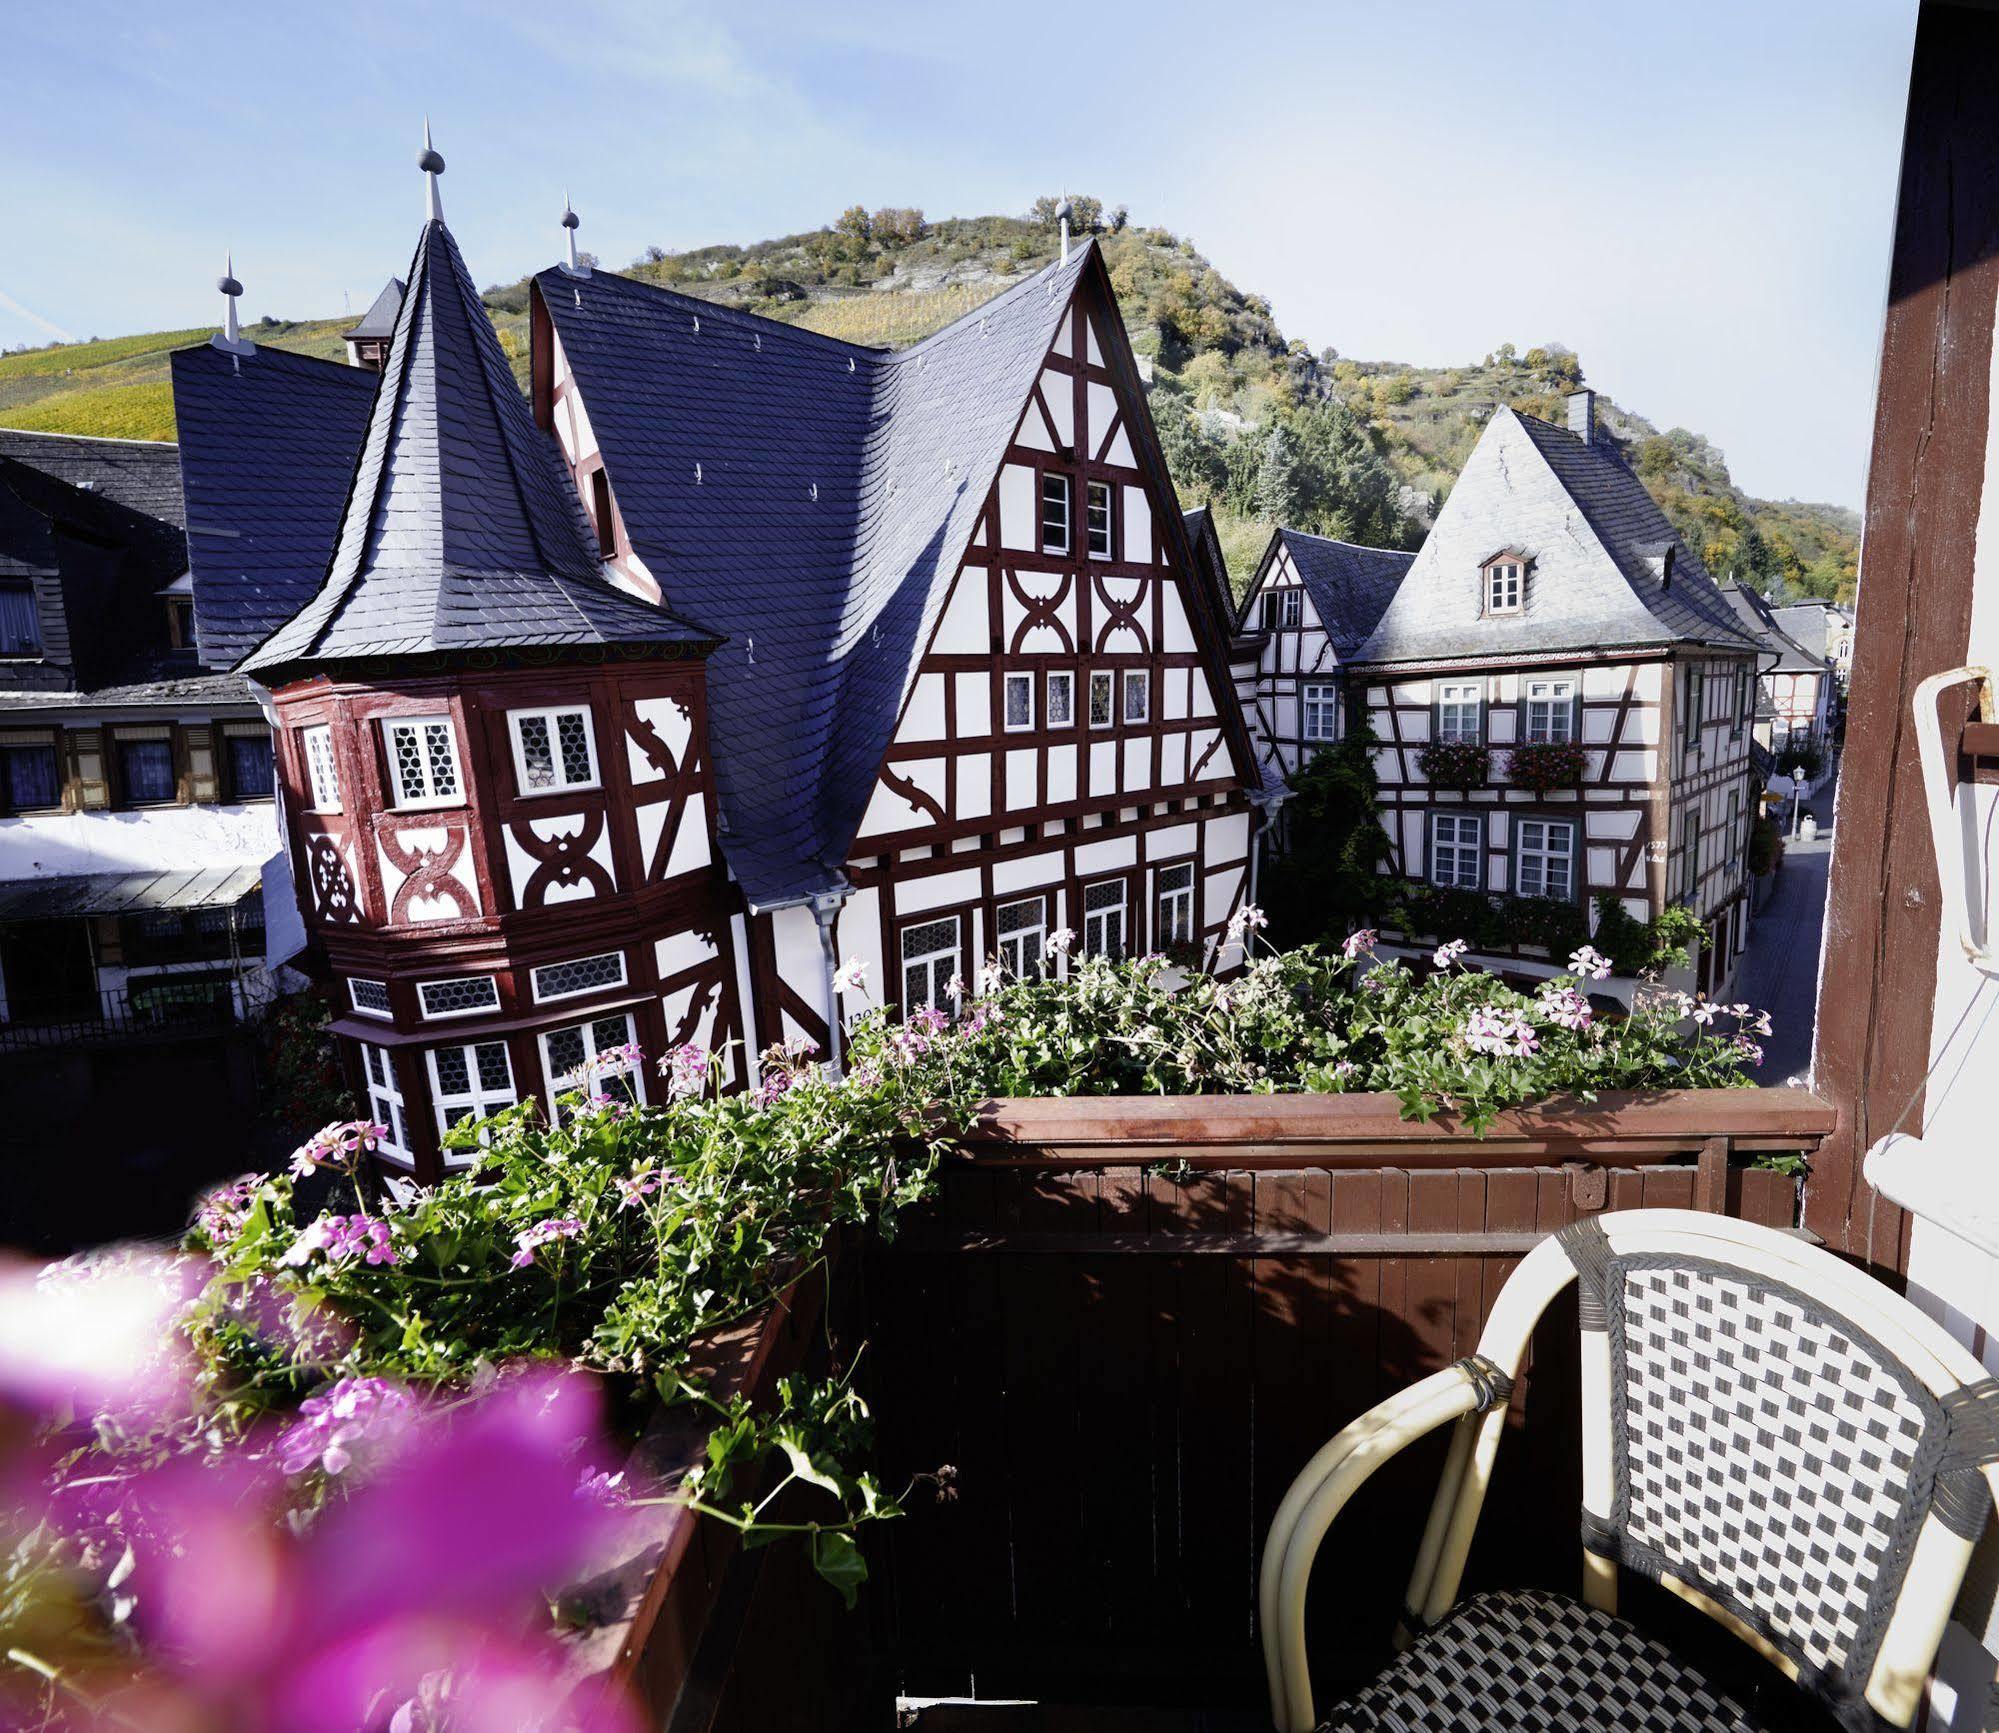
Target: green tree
854 223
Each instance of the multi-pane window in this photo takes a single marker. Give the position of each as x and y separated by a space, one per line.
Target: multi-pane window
1690 856
1098 504
29 776
247 754
1102 715
1019 701
1137 694
1022 930
578 1057
465 996
1696 705
553 749
1739 709
1061 700
1284 607
584 975
1173 906
1054 514
370 998
1458 703
145 761
1544 858
929 963
1551 708
385 1101
1505 582
1734 825
20 629
1457 849
320 770
423 760
477 1080
1103 920
1321 701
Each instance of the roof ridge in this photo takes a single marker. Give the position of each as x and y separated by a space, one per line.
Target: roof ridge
759 322
92 438
984 308
1341 542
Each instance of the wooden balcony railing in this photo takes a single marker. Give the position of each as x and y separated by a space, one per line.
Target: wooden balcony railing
1126 1322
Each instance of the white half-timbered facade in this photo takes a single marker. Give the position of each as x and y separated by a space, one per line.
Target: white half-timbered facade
1552 621
1311 605
1796 686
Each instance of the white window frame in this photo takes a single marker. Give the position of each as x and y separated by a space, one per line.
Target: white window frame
1137 680
1061 680
1102 679
1093 492
1470 696
1319 710
430 1016
586 1026
540 998
322 769
550 717
1173 907
1459 845
1546 855
1011 948
475 1099
1690 857
1556 701
392 726
386 1014
947 958
385 1102
1057 489
1010 684
1505 586
1095 921
1290 607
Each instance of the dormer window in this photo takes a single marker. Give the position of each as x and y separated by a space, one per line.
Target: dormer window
20 631
1505 584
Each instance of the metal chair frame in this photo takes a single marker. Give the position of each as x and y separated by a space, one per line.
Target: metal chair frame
1470 1398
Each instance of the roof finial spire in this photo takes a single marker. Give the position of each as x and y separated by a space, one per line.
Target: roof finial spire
1063 212
231 335
570 221
432 165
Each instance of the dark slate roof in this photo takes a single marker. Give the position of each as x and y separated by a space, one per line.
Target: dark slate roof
27 538
1212 563
192 690
1805 623
141 475
380 318
268 444
1350 585
811 498
461 531
1759 618
1631 526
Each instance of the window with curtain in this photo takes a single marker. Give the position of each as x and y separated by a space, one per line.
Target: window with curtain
250 766
145 769
20 627
29 777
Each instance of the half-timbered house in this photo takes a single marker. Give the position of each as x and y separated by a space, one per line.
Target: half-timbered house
627 713
1312 604
1553 608
1795 685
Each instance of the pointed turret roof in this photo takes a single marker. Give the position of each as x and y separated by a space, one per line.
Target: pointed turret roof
380 318
460 532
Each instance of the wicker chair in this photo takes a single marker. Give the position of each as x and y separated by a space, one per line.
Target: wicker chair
1768 1434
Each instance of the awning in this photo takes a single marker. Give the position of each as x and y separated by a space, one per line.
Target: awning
63 898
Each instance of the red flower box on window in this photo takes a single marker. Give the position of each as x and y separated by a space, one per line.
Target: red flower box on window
1461 764
1543 765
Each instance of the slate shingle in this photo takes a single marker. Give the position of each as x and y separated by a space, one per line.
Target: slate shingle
1350 585
1760 619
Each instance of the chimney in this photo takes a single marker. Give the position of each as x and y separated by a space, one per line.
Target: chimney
1582 416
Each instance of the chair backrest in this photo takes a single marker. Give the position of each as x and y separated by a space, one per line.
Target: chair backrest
1793 1443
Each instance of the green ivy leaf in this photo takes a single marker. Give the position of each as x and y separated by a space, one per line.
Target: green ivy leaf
836 1558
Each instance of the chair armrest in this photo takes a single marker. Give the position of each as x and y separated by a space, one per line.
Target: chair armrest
1315 1498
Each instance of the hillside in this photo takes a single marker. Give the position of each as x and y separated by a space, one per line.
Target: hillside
1253 424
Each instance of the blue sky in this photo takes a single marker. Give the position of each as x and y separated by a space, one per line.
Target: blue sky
1697 198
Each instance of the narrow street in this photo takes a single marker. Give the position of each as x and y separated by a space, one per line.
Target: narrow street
1780 969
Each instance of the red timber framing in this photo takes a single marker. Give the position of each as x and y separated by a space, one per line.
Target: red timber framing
1925 491
1646 772
444 911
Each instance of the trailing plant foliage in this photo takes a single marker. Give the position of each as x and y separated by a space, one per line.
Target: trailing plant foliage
1546 765
1327 883
1461 764
1806 753
1766 847
1638 947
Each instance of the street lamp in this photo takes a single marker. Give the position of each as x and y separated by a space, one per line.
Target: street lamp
1798 786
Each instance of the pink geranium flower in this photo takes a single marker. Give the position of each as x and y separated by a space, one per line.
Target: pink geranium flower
542 1233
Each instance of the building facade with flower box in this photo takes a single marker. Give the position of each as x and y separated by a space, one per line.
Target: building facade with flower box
1563 701
620 717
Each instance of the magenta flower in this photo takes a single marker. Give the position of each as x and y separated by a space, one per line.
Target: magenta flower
356 1415
1356 943
636 1188
542 1233
1566 1006
340 1238
686 1071
340 1145
225 1211
1749 1049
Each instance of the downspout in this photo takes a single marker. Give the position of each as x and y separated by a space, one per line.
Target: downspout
826 911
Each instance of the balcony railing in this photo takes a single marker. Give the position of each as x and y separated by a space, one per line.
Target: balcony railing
1126 1322
163 1008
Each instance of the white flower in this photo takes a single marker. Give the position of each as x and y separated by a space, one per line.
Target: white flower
990 978
1703 1013
1590 963
851 976
1447 954
955 986
1355 943
1247 919
1061 942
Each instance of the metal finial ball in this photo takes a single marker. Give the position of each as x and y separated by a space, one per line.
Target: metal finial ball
229 285
570 219
1064 211
431 163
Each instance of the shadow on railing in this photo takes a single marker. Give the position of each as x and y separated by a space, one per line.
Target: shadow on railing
170 1008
